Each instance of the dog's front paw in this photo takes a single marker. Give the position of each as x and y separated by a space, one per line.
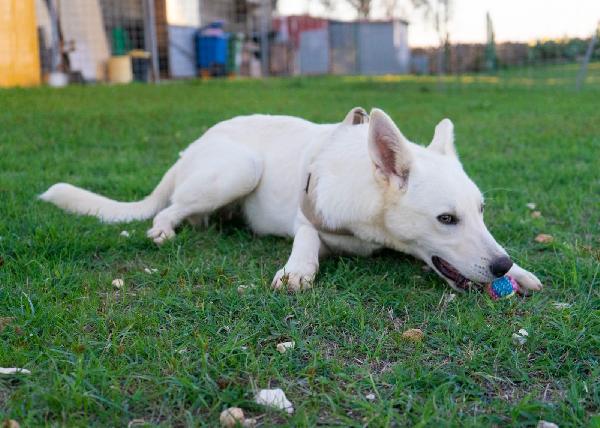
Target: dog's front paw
527 281
293 279
160 234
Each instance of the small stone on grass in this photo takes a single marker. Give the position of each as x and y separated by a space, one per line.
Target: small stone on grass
283 347
231 417
274 398
561 305
544 238
520 337
413 335
546 424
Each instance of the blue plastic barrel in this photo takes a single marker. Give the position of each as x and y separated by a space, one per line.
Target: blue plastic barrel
211 47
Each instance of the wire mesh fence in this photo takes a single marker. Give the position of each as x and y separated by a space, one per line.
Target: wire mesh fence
148 40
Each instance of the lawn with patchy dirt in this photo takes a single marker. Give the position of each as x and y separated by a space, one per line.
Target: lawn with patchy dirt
176 346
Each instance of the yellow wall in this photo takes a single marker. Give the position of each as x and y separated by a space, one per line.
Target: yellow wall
19 52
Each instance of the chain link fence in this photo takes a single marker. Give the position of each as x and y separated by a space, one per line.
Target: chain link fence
149 40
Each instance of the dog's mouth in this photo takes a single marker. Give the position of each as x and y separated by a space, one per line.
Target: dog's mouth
452 273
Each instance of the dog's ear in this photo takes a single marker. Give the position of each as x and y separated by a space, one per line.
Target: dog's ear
356 116
389 149
443 139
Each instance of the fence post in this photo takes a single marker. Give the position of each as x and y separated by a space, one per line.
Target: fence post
56 55
265 16
587 58
150 37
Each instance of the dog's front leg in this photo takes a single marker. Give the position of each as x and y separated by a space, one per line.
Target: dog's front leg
302 266
527 280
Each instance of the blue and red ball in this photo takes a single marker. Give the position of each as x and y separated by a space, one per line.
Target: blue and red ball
502 288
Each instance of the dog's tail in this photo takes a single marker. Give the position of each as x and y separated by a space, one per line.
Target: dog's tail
80 201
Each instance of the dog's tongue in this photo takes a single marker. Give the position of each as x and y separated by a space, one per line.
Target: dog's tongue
463 283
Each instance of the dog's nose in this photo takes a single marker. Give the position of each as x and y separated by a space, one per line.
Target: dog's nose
500 266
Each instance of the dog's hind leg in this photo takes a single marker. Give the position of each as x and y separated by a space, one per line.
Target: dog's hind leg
217 177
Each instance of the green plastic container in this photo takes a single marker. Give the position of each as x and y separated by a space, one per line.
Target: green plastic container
119 41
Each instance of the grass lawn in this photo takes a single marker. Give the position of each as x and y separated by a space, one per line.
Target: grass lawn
177 346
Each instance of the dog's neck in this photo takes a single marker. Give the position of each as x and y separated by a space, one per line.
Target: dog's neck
340 188
341 194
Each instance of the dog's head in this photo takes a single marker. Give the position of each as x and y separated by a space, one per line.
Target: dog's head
432 209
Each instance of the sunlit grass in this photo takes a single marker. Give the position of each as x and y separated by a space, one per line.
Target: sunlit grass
176 347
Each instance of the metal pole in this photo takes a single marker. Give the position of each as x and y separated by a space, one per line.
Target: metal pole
586 59
150 37
264 36
56 54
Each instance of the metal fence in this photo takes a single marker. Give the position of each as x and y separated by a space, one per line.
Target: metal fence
80 37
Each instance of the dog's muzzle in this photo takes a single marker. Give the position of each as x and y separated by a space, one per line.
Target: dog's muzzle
450 272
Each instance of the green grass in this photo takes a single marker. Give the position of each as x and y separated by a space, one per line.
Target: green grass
178 346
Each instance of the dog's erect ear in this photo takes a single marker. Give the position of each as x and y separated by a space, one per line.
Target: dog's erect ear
389 149
443 139
356 116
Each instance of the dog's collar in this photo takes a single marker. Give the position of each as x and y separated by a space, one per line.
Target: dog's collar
308 208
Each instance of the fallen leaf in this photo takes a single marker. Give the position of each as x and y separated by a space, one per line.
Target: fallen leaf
150 270
13 370
274 398
530 205
413 334
370 397
544 238
284 346
4 322
560 305
536 214
231 417
117 283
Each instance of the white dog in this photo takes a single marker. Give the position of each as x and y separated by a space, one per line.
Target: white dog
353 187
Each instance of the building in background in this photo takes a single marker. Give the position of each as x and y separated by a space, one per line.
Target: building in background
323 46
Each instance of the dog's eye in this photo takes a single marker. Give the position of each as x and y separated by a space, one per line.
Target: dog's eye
447 219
